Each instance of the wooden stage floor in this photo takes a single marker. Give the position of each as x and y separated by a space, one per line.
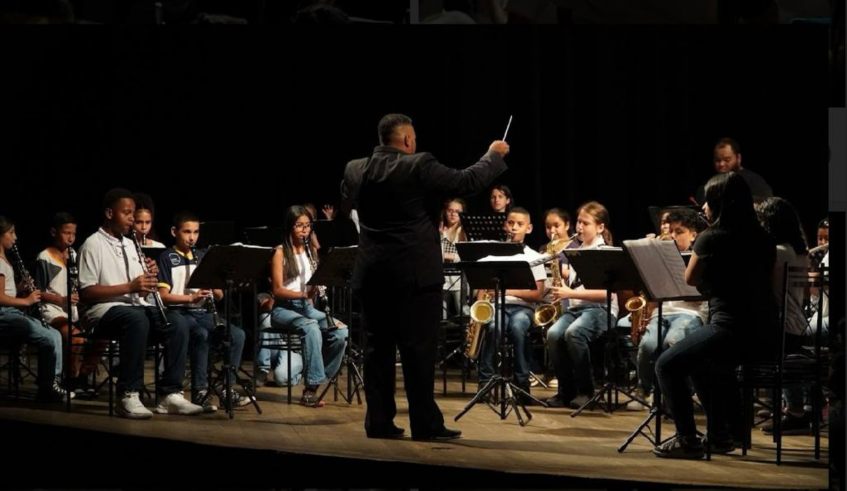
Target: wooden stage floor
553 445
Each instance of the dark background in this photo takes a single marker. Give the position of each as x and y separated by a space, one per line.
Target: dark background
237 124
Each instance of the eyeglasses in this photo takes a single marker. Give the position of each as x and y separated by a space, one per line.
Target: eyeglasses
453 212
302 226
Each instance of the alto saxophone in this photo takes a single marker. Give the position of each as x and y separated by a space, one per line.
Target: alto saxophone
641 311
482 312
548 314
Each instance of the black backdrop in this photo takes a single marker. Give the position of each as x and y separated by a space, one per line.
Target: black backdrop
237 124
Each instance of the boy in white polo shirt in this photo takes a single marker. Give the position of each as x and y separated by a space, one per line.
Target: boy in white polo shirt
520 305
113 285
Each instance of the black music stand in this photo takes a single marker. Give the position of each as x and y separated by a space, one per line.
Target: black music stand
610 269
336 271
484 227
662 270
500 276
230 267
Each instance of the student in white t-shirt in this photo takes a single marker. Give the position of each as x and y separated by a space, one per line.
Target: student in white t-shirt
519 308
114 286
323 344
51 277
16 325
586 319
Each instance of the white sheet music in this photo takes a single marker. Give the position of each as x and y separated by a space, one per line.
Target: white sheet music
661 268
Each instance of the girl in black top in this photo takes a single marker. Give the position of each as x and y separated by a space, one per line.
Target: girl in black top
732 264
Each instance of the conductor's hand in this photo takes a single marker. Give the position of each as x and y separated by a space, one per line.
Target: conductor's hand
144 284
500 147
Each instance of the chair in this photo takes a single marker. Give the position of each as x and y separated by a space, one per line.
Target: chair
780 371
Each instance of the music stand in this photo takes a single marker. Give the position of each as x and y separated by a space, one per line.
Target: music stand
610 269
474 251
662 270
500 276
484 227
336 270
228 267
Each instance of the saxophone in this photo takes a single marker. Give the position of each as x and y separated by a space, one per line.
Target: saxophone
482 312
548 314
641 311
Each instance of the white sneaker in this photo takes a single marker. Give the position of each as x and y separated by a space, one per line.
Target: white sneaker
637 406
130 407
553 383
176 403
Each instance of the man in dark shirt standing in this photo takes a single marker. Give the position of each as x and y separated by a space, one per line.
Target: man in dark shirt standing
398 273
728 159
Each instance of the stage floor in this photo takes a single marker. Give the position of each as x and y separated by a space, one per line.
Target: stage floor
552 444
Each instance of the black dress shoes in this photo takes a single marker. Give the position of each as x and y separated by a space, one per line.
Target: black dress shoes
444 434
391 432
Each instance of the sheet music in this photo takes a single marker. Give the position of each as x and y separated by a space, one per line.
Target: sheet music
661 268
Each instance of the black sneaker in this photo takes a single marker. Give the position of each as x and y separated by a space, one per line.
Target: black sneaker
310 399
681 448
54 394
792 425
721 446
557 401
238 400
261 378
81 386
198 398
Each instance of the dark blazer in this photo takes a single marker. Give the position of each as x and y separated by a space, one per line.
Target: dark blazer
398 197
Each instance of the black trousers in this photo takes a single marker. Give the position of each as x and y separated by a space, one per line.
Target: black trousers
408 318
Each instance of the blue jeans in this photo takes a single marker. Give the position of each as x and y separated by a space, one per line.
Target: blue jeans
708 347
22 328
200 326
518 322
323 348
567 345
676 327
279 362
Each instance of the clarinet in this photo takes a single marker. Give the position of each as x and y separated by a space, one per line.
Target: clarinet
73 274
155 293
29 283
210 302
321 289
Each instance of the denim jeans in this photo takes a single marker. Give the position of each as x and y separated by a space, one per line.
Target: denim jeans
567 345
676 327
23 328
200 326
518 322
707 356
323 348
